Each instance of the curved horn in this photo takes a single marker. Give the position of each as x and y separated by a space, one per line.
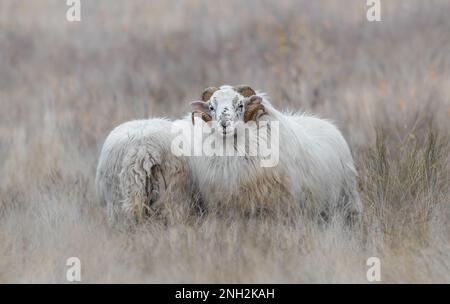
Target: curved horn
208 93
245 90
205 116
253 112
254 108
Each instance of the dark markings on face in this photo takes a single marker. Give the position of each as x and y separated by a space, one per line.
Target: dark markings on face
238 105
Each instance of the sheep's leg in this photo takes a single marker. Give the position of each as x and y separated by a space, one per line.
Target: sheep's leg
352 208
354 214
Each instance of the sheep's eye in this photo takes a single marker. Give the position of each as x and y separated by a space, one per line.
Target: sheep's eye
241 106
211 108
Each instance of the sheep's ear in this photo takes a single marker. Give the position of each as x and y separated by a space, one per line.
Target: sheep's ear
199 106
201 109
254 108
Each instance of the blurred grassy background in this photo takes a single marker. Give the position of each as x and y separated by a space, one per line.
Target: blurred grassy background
64 86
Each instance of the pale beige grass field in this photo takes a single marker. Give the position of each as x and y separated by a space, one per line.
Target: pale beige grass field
64 86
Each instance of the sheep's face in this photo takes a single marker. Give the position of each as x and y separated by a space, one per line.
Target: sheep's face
229 107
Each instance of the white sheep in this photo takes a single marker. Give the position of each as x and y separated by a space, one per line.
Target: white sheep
137 172
314 172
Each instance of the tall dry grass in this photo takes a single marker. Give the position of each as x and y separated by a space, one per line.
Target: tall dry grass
64 86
